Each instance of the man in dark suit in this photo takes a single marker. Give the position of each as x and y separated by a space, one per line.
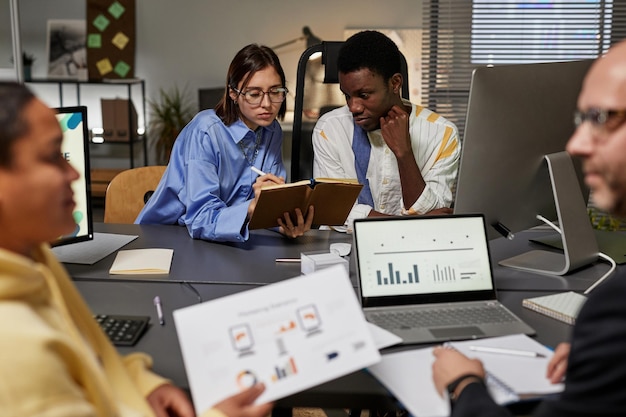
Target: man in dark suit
595 364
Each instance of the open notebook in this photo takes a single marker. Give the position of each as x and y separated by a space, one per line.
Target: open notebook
408 374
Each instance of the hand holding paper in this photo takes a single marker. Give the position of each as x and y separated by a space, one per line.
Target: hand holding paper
291 336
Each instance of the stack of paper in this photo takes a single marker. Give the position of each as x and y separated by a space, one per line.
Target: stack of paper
142 261
563 306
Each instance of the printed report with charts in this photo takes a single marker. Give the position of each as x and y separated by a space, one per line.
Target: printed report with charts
291 336
331 198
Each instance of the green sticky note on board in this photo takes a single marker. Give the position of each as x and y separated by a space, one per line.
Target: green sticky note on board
101 22
116 9
121 69
94 40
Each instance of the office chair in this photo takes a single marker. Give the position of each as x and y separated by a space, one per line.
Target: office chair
301 146
209 97
129 191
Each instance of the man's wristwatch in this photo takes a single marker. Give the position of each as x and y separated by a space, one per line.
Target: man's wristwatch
452 386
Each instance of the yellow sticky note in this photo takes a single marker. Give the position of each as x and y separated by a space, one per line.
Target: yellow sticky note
120 40
104 66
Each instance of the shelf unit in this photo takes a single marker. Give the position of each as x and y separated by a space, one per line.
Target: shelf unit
128 84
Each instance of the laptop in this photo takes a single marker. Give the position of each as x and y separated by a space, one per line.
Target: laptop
429 278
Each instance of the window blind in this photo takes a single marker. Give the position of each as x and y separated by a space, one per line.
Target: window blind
460 35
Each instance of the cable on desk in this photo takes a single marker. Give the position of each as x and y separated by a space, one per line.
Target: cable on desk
195 291
604 256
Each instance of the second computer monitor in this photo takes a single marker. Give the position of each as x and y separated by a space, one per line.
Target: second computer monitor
518 114
75 148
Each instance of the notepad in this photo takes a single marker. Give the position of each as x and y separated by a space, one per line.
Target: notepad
142 261
564 306
408 374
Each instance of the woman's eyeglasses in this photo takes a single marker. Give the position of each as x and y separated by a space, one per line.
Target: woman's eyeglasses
255 96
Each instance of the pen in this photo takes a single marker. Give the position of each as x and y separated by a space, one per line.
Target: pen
257 171
159 309
514 352
285 260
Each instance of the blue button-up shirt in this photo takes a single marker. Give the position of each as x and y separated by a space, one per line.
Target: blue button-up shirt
207 185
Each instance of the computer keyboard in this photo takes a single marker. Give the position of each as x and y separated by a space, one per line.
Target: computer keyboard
123 330
442 317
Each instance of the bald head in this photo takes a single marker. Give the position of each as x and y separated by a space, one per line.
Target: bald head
605 84
600 142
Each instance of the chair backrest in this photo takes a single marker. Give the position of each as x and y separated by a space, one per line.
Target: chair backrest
301 147
128 192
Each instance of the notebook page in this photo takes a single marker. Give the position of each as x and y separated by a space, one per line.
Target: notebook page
524 375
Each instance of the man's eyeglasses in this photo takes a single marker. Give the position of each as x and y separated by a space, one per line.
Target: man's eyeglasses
255 96
610 119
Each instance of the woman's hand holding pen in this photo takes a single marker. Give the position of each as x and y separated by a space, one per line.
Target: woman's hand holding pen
287 226
262 181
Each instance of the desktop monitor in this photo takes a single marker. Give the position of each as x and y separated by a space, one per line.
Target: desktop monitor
75 148
513 165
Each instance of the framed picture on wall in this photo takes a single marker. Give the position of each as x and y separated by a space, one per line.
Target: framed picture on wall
66 49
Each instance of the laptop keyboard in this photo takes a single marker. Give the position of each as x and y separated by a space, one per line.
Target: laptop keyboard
441 317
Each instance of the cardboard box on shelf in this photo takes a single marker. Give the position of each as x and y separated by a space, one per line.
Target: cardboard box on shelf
119 120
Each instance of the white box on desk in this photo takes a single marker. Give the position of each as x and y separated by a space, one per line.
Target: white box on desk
314 261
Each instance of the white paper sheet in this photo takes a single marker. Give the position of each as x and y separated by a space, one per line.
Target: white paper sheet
291 336
383 338
408 375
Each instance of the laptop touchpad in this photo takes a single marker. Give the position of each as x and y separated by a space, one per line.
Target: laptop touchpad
456 332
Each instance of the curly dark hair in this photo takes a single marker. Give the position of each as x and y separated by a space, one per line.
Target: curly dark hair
372 50
249 60
13 99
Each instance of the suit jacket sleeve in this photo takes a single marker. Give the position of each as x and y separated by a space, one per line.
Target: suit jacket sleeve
596 372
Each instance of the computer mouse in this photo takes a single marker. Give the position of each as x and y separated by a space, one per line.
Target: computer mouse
340 248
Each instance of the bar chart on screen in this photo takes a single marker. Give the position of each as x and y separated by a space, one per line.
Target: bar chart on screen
433 261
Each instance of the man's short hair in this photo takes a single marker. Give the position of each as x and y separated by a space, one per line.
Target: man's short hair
370 50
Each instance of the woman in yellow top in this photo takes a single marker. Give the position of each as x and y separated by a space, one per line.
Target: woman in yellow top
55 360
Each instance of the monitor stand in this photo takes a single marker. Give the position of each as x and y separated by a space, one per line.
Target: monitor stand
580 247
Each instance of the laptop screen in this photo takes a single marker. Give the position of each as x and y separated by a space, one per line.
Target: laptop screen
416 260
75 148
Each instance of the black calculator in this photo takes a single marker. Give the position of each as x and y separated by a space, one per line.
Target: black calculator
123 330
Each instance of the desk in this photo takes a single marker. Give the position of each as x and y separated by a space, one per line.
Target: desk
205 269
251 262
357 390
513 279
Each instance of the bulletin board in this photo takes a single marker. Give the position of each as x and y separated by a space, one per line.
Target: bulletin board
111 39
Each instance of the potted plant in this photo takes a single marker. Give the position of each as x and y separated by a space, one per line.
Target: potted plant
168 115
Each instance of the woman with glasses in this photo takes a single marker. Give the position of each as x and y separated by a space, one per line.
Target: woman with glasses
210 185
